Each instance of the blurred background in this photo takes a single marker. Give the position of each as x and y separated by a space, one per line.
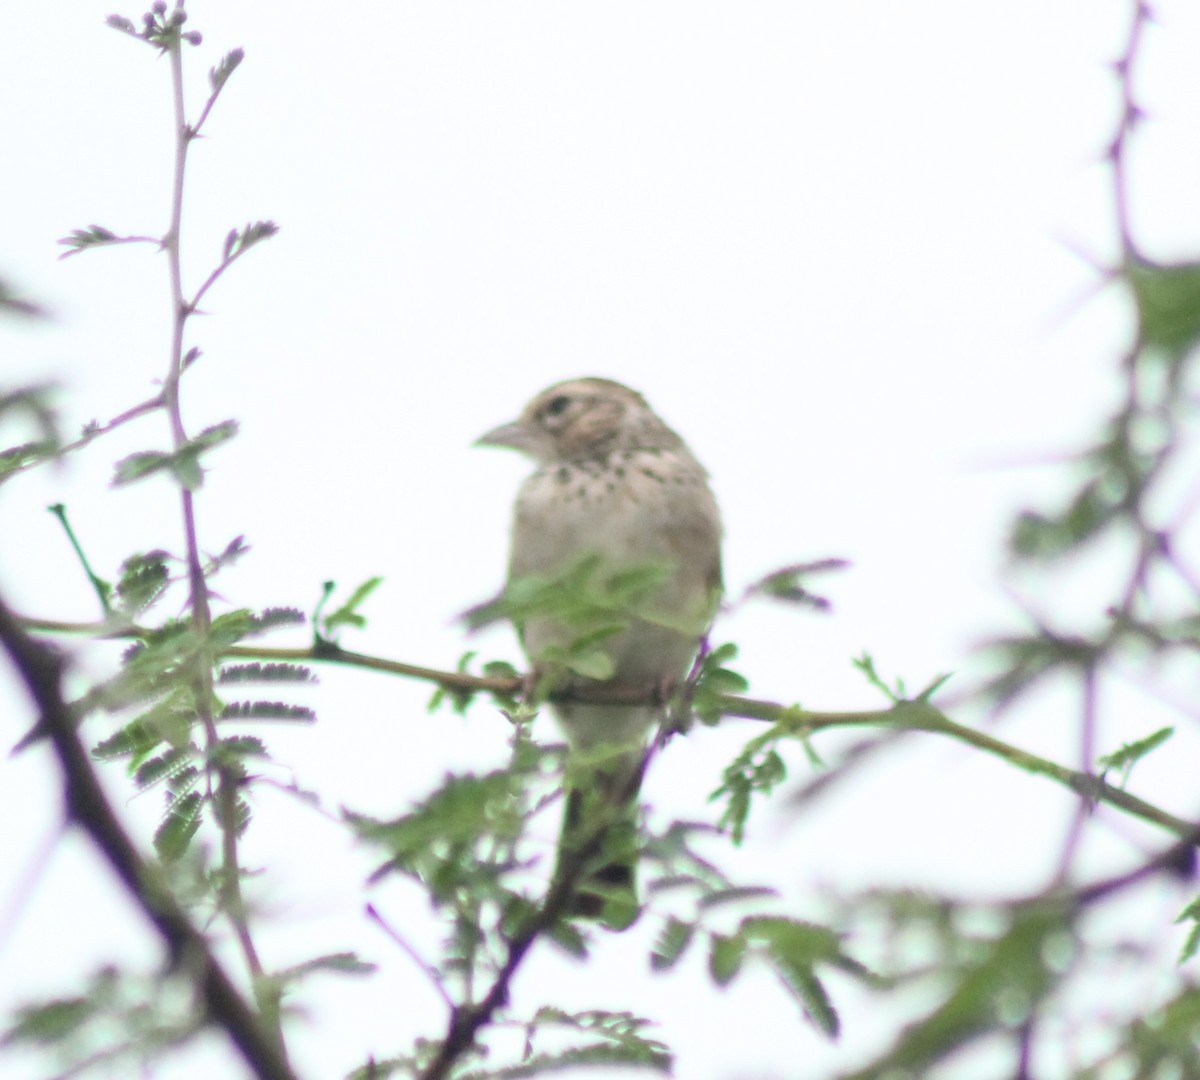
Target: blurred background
852 252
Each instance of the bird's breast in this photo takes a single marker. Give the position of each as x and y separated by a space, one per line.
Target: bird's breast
624 508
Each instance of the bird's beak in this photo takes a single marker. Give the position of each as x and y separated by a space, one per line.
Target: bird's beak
514 435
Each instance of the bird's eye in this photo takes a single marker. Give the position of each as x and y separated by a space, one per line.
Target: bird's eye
556 406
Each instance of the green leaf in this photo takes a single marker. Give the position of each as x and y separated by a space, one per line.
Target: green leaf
32 406
238 242
567 936
50 1023
234 551
758 769
213 435
592 665
181 823
866 664
735 895
232 626
588 596
140 465
1096 505
136 739
183 463
169 719
12 303
1168 303
1026 661
794 948
16 458
444 841
592 1054
143 580
1192 945
725 957
343 963
255 672
713 681
166 766
786 584
219 75
619 1041
267 710
460 698
810 992
240 746
802 942
82 239
672 942
1166 1042
1130 754
348 614
274 617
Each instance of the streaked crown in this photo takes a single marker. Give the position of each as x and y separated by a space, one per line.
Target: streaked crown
584 418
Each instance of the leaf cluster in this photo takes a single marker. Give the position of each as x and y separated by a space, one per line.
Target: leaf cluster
592 599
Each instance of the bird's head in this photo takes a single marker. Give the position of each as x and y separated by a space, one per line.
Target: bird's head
583 418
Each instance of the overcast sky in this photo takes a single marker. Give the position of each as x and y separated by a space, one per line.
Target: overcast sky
837 246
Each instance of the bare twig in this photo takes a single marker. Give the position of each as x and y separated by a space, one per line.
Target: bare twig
1087 757
1131 114
212 278
427 970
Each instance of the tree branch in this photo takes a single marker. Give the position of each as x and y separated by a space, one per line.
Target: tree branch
904 716
467 1020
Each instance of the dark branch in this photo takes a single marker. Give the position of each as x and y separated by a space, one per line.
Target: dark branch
41 669
466 1021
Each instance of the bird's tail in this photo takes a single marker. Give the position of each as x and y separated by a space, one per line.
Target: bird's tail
598 848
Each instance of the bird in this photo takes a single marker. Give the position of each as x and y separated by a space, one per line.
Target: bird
616 550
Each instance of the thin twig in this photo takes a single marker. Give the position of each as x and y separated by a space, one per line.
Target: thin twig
212 278
90 434
426 969
225 798
1131 114
1087 757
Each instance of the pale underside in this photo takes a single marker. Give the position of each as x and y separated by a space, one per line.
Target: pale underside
631 508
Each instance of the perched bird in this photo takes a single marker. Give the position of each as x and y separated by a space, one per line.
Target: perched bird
620 536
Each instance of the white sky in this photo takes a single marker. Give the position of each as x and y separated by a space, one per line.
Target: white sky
825 240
